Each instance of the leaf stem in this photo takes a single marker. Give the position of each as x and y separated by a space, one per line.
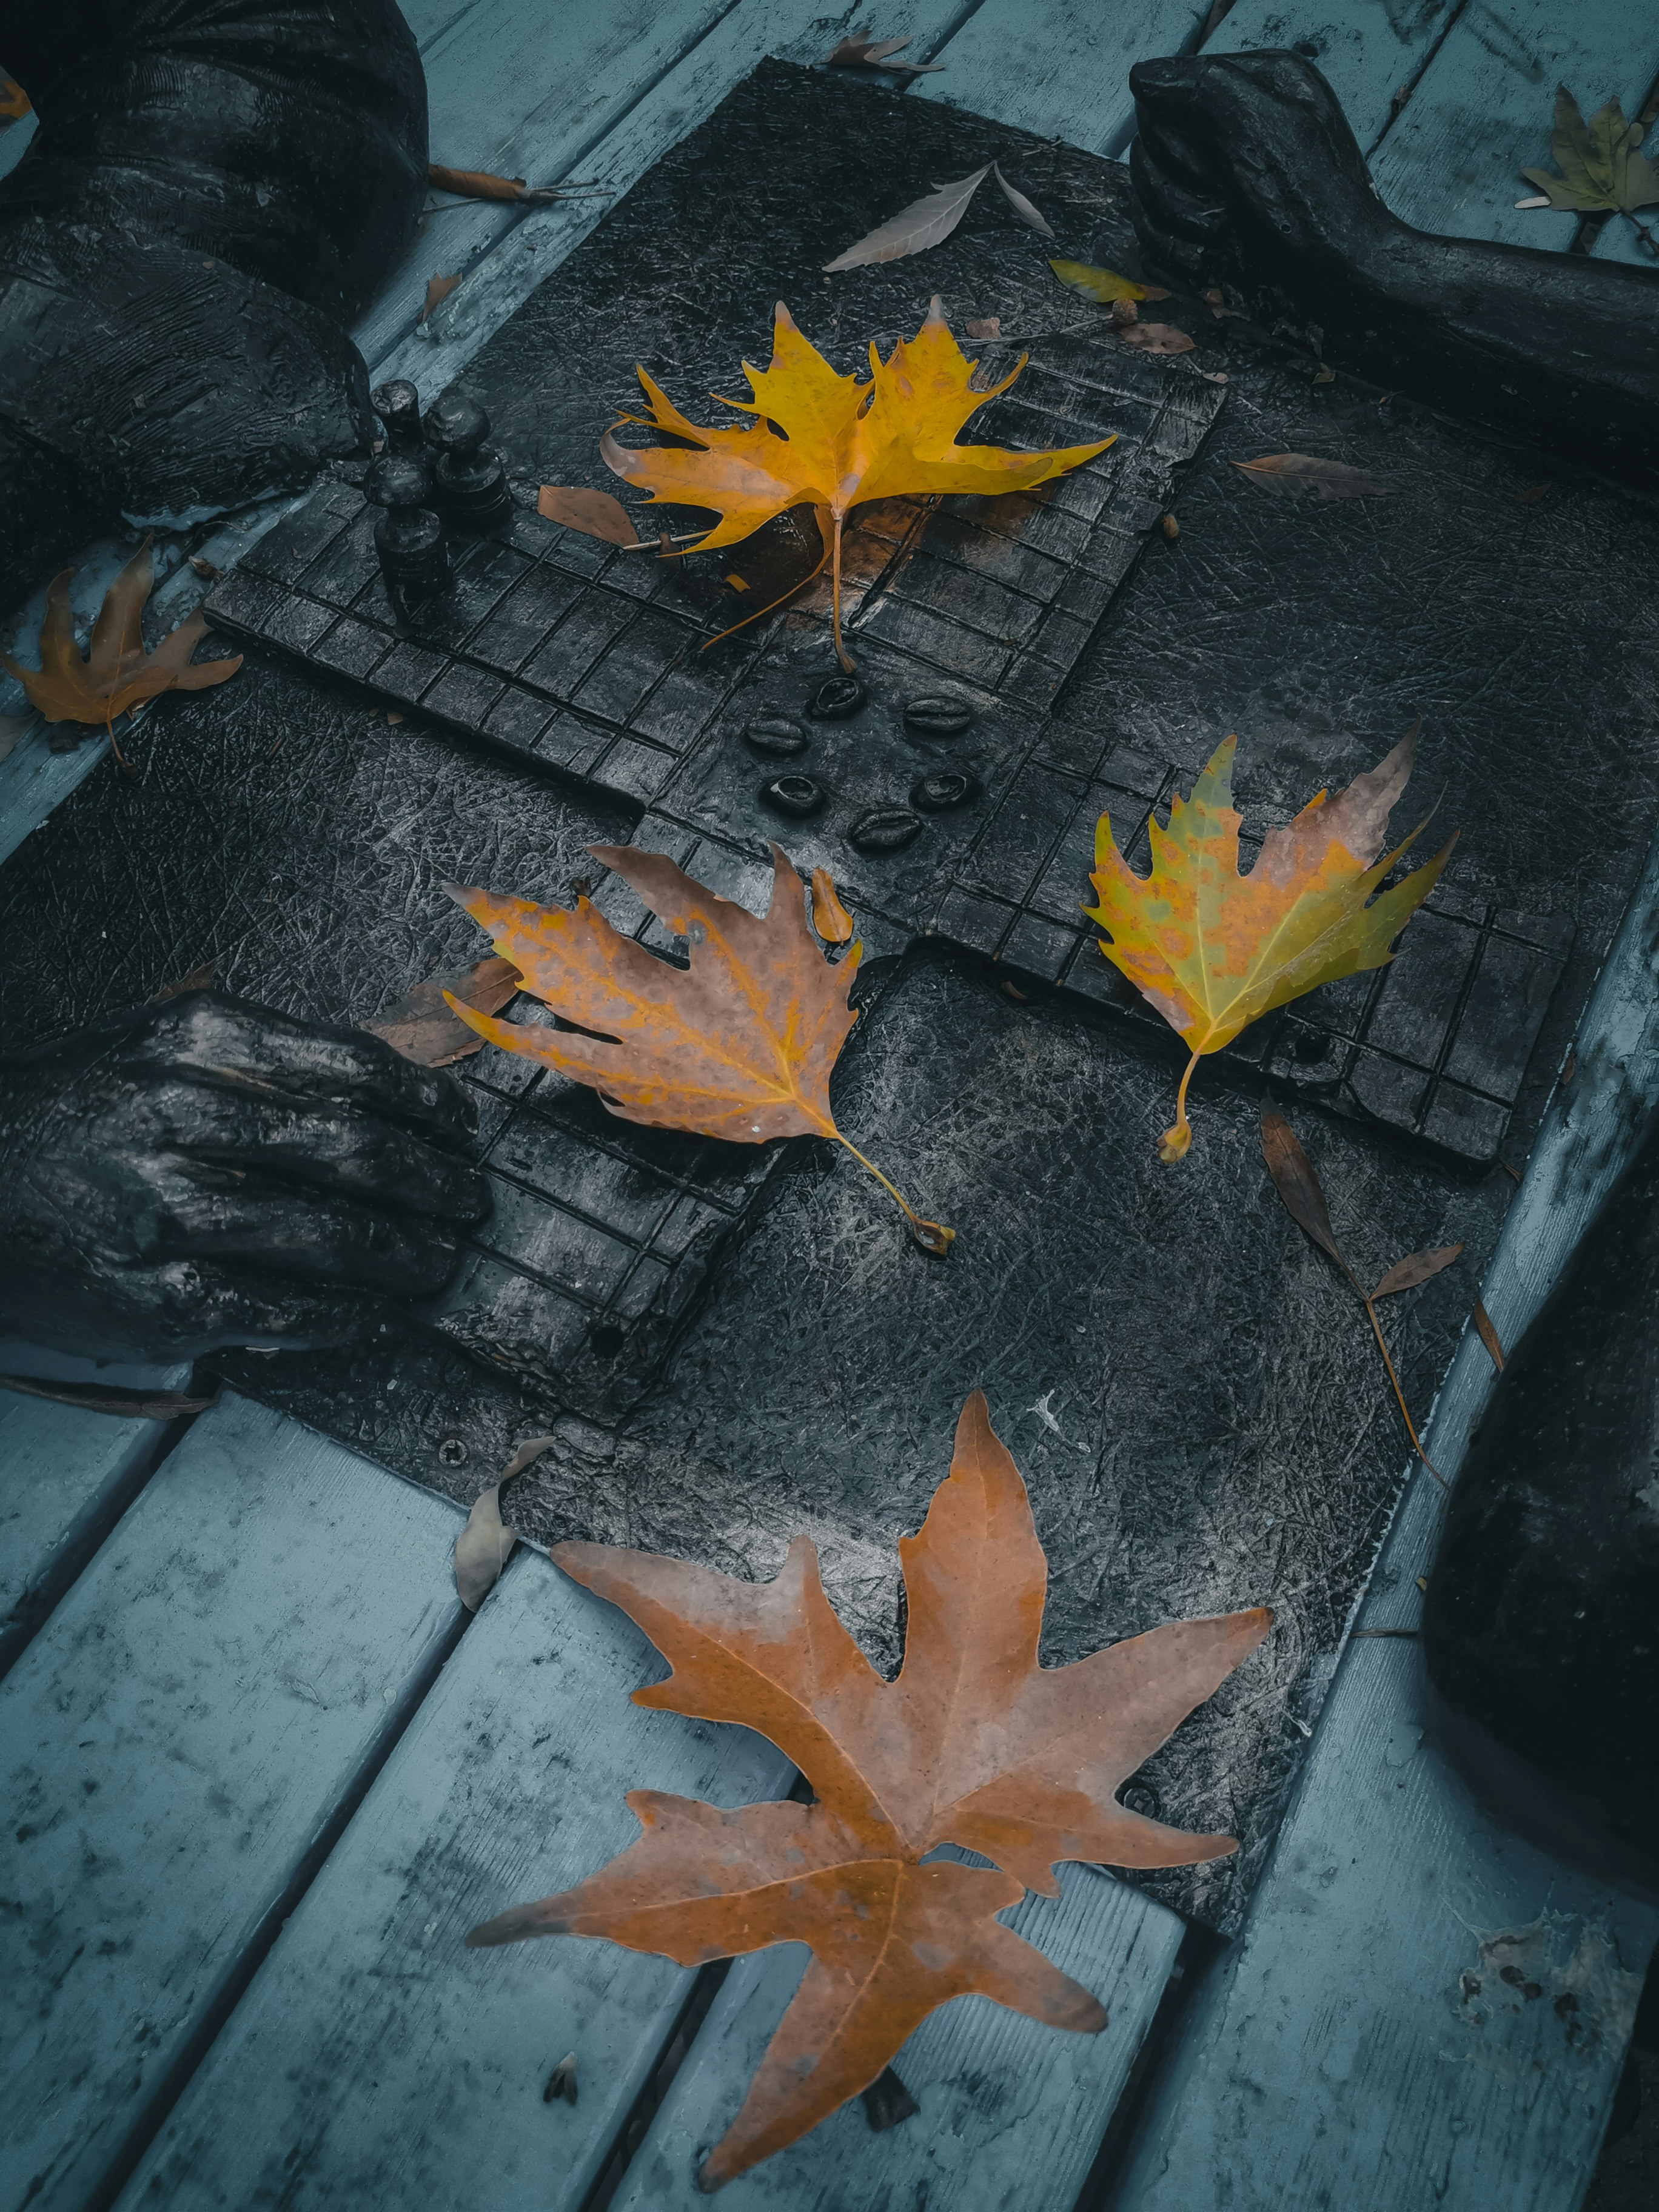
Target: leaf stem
931 1235
841 654
1400 1396
770 604
1173 1143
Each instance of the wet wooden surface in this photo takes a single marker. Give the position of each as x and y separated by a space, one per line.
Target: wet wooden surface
255 1804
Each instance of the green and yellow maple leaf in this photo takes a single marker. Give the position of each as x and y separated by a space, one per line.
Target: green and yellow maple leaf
1602 172
1212 949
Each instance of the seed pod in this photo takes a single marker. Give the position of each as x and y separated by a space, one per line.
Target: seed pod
793 794
776 735
1125 312
935 717
951 787
837 698
888 829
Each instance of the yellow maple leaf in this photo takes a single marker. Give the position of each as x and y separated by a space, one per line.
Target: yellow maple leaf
828 441
1212 949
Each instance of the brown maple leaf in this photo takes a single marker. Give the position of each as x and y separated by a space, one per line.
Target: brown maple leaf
738 1044
974 1744
830 442
117 672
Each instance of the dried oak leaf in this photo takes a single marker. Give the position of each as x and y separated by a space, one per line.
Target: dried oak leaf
836 442
117 673
1212 949
975 1744
738 1044
1602 172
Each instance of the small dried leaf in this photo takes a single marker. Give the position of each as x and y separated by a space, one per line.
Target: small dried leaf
117 673
438 290
1029 216
1299 1186
562 2082
984 326
925 223
1416 1267
1155 337
106 1398
595 513
1296 475
1170 528
1103 284
875 53
474 184
421 1026
13 102
830 917
485 1544
1489 1336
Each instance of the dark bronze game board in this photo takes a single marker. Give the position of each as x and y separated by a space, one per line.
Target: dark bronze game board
732 1345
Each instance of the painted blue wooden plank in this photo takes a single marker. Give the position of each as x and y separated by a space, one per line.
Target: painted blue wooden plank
1059 70
1012 2112
1484 106
1340 2056
1369 51
173 1746
65 1476
375 2061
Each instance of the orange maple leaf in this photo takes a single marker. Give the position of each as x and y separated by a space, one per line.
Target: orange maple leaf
833 442
117 672
738 1045
974 1744
1212 949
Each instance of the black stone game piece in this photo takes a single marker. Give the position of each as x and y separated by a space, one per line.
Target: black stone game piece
409 537
470 481
398 403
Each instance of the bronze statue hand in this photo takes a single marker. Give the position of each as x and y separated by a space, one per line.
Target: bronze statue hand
1246 173
206 1172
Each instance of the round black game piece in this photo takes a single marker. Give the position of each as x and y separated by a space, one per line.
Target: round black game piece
888 829
470 481
776 735
936 717
793 794
398 403
408 536
836 699
951 786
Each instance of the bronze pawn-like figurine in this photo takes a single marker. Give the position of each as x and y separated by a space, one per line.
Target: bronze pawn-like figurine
409 537
469 480
398 403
